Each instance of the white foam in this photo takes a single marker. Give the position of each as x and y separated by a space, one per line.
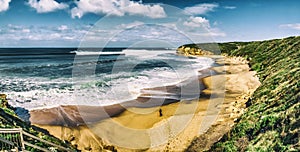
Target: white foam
143 53
120 90
96 53
123 86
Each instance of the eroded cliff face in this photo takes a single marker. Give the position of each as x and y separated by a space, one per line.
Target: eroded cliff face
192 50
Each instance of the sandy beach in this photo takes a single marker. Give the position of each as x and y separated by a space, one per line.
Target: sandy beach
156 126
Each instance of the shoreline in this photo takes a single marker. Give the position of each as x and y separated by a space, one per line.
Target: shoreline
76 115
240 82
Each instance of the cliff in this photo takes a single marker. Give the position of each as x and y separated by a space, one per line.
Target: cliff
271 121
192 49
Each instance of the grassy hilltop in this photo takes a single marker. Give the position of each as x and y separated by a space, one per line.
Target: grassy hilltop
272 119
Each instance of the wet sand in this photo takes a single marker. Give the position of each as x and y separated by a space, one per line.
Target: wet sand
157 125
75 115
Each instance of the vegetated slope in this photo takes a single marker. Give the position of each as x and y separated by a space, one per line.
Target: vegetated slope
272 119
8 119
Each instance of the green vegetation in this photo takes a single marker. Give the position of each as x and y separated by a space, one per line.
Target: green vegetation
8 119
271 122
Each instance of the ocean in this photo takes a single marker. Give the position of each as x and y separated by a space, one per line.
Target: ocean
36 78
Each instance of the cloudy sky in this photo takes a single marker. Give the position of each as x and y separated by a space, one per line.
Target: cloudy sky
122 23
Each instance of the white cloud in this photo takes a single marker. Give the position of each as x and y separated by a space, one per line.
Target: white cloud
200 27
230 7
63 27
16 33
214 32
148 32
201 9
116 7
295 26
4 5
45 6
25 30
197 22
152 11
130 25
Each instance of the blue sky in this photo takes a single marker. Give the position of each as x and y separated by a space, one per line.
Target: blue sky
123 23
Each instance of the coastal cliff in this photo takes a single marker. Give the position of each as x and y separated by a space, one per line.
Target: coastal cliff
271 120
192 49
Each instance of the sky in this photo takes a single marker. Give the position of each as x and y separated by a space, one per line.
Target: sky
128 23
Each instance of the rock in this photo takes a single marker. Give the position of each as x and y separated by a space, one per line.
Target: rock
3 96
110 148
22 113
3 100
186 49
193 50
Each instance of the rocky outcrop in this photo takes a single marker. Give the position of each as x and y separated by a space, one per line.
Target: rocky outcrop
188 50
3 101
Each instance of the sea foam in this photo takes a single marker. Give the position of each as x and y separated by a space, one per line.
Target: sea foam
34 92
